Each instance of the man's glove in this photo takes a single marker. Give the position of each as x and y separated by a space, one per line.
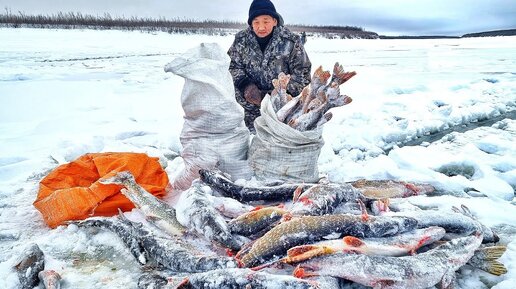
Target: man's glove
253 94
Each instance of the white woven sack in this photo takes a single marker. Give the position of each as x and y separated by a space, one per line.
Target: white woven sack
214 132
279 151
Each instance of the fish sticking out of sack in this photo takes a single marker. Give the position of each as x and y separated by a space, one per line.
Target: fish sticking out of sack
305 229
398 245
50 278
279 95
391 189
198 214
155 247
321 199
309 110
222 184
242 278
385 272
28 266
155 210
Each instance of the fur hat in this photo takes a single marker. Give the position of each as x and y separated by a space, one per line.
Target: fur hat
262 7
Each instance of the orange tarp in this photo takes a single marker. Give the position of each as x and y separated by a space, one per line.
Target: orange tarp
72 191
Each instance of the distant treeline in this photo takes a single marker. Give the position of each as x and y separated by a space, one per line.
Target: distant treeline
73 20
507 32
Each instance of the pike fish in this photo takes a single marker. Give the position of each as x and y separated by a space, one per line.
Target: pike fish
243 278
171 252
28 266
455 223
397 245
198 214
379 189
126 230
220 183
305 229
50 278
385 272
321 199
257 220
155 210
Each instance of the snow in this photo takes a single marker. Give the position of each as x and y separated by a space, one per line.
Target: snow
69 92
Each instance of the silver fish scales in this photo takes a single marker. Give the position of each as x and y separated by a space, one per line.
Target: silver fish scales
321 199
383 272
242 278
204 219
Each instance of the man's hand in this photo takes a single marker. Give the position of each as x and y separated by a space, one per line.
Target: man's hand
252 94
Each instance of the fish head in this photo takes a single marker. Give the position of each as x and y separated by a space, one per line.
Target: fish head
119 178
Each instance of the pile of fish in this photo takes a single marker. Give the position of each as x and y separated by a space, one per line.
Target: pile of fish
310 109
327 234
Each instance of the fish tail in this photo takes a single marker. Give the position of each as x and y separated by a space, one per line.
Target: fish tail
496 268
486 259
494 252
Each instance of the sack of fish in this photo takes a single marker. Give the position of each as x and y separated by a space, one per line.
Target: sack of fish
288 137
324 235
213 132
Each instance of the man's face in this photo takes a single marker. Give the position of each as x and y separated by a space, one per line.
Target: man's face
263 25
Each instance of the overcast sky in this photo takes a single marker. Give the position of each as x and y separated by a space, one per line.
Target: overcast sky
387 17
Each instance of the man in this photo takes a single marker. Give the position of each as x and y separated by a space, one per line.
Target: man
259 53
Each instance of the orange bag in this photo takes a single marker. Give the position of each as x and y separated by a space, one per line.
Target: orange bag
73 192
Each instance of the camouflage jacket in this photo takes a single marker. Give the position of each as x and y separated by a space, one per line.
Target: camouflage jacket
284 53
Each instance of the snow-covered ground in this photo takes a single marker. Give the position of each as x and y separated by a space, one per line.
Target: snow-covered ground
69 92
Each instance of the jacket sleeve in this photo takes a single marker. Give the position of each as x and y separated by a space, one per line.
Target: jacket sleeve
237 68
300 67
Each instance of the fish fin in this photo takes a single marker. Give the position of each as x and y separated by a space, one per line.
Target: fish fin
294 251
304 94
412 187
383 284
496 268
275 83
353 241
300 272
487 256
286 217
448 280
183 284
305 200
365 215
257 208
297 193
318 72
380 206
494 252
